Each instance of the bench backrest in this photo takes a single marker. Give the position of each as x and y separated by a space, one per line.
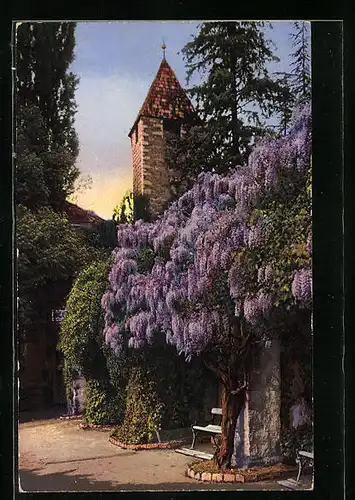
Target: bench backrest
216 411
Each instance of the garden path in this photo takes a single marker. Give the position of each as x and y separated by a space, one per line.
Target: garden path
55 455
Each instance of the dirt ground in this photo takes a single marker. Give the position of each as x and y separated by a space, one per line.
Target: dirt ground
55 455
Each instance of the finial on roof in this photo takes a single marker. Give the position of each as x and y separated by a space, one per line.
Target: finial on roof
163 47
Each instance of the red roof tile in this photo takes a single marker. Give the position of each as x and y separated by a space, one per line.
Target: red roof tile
166 98
77 215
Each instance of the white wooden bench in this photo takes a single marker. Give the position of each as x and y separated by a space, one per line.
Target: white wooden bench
212 429
303 457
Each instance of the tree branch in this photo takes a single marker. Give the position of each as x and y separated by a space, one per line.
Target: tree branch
220 374
240 389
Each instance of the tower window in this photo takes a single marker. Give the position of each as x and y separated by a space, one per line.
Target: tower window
136 133
172 126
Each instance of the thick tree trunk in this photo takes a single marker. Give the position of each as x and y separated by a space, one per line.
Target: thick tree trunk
232 404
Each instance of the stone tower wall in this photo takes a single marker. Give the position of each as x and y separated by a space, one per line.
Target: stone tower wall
136 144
155 175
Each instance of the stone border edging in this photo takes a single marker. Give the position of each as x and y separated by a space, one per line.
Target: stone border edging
71 417
237 477
215 477
148 446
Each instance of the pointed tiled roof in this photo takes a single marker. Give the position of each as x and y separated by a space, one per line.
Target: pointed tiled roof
166 98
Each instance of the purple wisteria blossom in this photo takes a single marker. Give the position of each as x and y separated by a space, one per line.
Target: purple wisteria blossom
195 243
302 286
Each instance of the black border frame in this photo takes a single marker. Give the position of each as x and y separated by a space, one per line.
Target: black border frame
328 219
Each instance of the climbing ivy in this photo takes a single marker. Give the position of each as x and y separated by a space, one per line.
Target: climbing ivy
82 326
82 344
144 410
104 405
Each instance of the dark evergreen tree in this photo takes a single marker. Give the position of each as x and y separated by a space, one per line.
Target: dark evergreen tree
45 110
287 101
301 81
235 97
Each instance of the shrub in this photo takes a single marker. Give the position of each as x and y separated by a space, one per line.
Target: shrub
295 439
103 405
144 410
84 349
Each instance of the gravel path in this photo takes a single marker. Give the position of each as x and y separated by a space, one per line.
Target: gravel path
55 455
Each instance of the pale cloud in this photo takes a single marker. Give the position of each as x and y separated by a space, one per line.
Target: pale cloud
107 109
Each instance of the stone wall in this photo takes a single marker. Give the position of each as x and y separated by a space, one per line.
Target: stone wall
296 395
156 181
151 175
257 439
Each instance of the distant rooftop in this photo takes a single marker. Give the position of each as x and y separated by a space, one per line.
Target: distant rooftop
77 215
166 98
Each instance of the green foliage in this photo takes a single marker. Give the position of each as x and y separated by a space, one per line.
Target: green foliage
141 208
286 222
107 234
50 254
287 101
295 439
132 208
180 386
123 213
49 248
144 410
47 144
232 57
145 260
103 405
82 344
81 329
44 52
69 374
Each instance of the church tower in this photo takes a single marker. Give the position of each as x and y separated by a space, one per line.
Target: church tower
164 111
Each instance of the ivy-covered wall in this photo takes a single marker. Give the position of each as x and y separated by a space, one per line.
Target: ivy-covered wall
82 345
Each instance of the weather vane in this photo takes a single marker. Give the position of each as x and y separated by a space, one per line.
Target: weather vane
163 47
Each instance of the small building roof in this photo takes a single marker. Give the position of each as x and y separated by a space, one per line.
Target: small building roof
78 216
166 98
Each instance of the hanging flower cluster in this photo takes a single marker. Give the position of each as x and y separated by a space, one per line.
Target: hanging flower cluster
203 245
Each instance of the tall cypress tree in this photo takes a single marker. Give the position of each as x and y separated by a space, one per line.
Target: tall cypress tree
45 100
50 250
237 94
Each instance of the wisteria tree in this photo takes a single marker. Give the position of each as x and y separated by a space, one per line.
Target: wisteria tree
210 273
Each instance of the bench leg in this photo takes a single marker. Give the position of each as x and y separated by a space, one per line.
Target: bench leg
194 435
300 467
158 435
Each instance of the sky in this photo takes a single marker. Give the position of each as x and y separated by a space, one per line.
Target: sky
116 63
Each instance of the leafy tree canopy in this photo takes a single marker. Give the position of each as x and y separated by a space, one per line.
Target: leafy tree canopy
50 252
49 248
124 211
